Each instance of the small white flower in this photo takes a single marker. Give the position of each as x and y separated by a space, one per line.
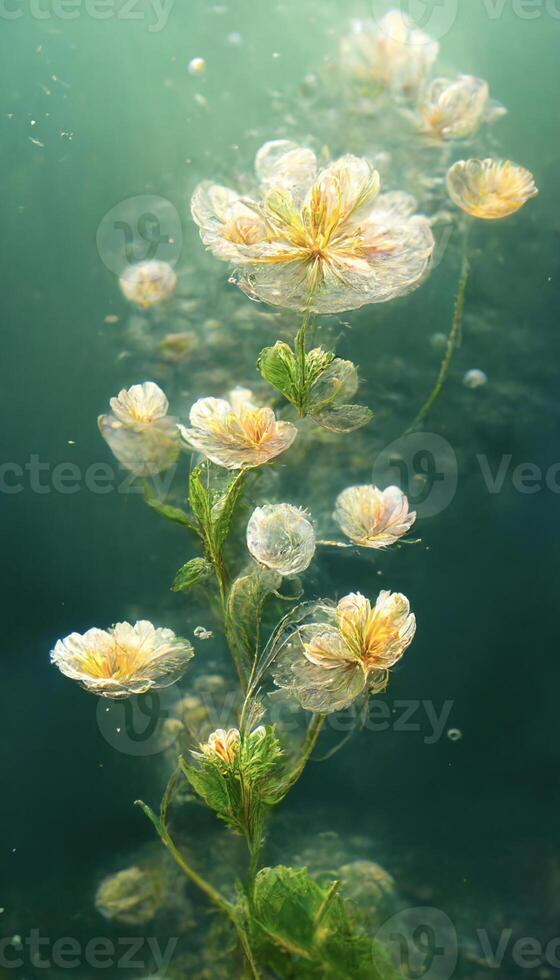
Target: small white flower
282 538
373 518
236 433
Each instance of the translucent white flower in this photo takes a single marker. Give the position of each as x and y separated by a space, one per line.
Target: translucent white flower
138 430
490 189
236 433
123 660
316 239
148 283
341 651
454 110
392 53
373 518
281 537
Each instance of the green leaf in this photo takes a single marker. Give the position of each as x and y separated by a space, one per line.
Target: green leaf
174 514
190 574
237 788
247 597
198 498
221 794
316 363
223 511
303 930
337 383
277 365
344 418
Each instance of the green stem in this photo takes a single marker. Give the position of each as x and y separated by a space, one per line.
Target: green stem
211 893
301 360
452 340
214 896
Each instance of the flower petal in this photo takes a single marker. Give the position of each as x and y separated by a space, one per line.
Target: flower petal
283 164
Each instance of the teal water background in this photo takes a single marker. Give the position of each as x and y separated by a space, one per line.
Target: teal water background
474 822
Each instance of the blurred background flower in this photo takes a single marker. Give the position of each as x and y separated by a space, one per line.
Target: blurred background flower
148 283
141 435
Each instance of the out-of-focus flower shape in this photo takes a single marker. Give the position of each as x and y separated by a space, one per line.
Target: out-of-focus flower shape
139 432
455 110
236 433
373 518
490 189
148 283
281 537
318 240
393 53
345 650
124 660
132 896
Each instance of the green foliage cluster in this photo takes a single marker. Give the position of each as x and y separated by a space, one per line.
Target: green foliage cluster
316 383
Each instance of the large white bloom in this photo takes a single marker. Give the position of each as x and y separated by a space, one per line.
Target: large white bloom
322 240
341 651
123 660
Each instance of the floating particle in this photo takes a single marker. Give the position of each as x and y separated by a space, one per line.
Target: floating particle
16 942
33 122
71 442
200 100
438 341
235 39
35 142
202 633
475 379
111 318
197 66
454 734
275 55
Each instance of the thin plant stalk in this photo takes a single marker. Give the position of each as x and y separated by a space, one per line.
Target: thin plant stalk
204 886
453 338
